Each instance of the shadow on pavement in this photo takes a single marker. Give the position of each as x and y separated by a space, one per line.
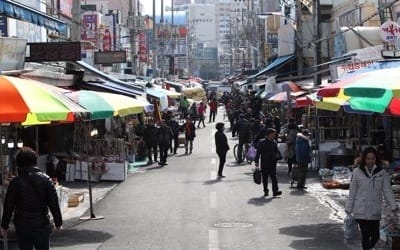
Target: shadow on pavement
260 201
316 236
71 237
211 182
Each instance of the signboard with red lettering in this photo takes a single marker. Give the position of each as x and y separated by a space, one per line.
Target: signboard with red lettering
143 50
390 32
89 31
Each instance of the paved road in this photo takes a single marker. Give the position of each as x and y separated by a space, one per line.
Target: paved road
183 206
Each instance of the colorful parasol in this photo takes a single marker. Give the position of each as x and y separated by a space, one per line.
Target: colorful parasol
103 105
375 91
31 102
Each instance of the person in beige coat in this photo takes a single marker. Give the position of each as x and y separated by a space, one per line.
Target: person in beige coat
369 183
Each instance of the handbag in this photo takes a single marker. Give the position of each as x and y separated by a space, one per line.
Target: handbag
257 176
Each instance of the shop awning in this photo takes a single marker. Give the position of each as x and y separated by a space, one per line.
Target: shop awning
108 78
110 87
22 12
274 65
158 93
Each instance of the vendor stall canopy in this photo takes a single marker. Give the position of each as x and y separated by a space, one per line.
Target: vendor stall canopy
30 102
102 105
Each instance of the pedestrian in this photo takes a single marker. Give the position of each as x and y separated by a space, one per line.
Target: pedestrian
303 156
174 125
368 184
243 128
184 106
190 134
150 138
267 150
201 110
29 196
290 152
164 135
221 146
213 109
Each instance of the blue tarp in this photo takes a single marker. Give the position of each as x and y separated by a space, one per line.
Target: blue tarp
22 12
275 64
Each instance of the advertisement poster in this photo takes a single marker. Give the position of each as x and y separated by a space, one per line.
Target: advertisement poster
108 36
143 48
89 31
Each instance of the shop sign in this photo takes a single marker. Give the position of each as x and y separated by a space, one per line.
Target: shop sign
12 53
347 67
110 57
143 48
54 51
390 32
90 30
65 7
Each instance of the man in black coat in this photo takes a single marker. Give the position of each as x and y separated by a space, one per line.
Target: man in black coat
243 129
29 197
150 138
221 146
267 149
174 125
164 135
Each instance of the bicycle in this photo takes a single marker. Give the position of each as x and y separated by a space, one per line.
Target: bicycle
244 153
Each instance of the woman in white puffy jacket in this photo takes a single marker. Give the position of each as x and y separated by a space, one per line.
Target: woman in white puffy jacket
369 184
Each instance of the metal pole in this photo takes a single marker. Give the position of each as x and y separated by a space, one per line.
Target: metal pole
162 39
132 35
317 35
174 42
76 21
155 40
299 39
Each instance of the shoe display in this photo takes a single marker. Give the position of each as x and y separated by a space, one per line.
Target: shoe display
277 193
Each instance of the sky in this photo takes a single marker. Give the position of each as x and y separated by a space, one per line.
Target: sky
148 6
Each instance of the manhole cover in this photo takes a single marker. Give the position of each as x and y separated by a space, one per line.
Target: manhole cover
233 225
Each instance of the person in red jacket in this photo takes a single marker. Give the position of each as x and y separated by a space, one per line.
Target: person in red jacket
213 109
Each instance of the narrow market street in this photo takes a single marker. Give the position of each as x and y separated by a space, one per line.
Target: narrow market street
184 206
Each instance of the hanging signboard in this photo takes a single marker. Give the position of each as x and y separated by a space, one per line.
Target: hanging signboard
12 53
110 57
390 32
55 51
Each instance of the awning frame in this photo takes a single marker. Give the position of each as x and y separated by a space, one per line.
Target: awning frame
274 65
22 12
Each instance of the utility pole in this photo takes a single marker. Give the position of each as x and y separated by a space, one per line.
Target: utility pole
132 35
154 66
76 20
317 35
174 37
162 39
299 38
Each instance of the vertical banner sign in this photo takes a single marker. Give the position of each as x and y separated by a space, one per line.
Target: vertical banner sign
108 37
3 26
65 7
143 48
89 31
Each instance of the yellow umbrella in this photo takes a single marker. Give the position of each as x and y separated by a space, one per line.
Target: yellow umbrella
332 103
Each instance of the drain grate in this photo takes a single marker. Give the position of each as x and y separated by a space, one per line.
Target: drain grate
233 225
